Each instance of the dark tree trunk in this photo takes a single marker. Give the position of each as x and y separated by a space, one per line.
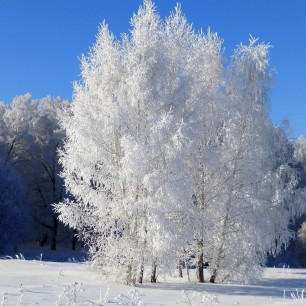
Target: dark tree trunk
200 258
180 268
74 240
213 276
54 233
43 240
153 274
140 278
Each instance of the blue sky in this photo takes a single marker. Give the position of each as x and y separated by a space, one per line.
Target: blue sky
42 41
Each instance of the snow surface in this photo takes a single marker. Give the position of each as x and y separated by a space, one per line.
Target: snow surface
35 282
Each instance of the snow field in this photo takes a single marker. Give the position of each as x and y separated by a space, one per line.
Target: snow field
24 282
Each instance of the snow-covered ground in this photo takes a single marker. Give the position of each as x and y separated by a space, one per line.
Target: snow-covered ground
35 282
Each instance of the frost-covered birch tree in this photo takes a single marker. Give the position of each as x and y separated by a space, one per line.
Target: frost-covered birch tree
130 110
259 198
166 147
121 136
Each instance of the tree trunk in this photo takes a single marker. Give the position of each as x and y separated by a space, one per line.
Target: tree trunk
200 259
216 266
226 219
219 250
74 240
153 274
43 240
140 278
213 276
129 279
180 268
187 268
54 233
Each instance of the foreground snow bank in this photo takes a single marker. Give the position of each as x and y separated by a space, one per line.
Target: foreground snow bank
35 282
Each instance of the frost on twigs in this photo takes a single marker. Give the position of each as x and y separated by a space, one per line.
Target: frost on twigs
71 295
3 298
194 298
133 299
297 295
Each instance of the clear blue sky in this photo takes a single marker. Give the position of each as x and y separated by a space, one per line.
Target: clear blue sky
42 40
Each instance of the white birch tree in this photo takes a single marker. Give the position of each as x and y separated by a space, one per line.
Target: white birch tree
166 146
260 198
130 111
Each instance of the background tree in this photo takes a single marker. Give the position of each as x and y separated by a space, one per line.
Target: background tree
14 216
46 185
29 139
293 253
